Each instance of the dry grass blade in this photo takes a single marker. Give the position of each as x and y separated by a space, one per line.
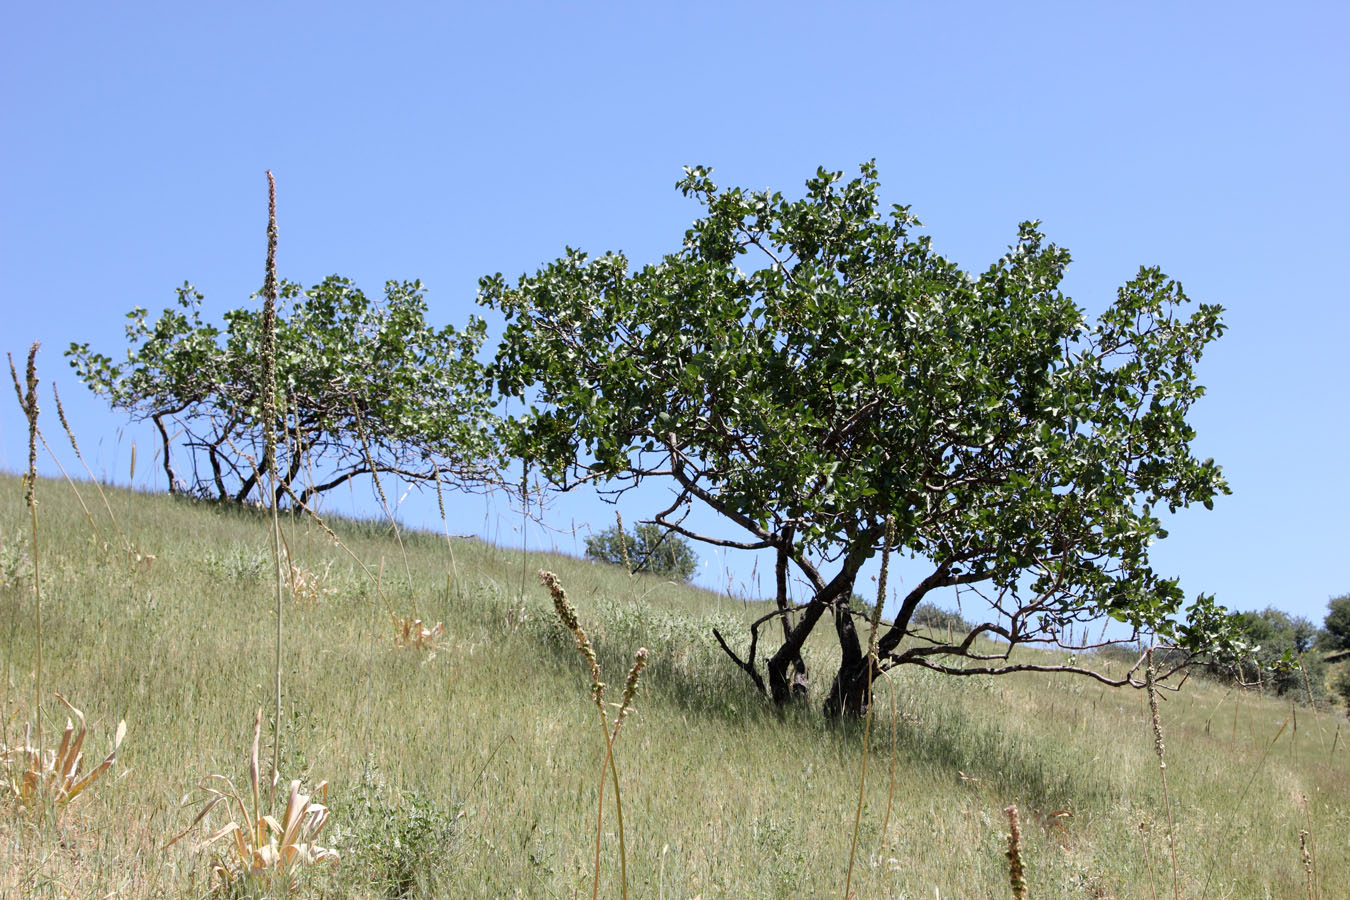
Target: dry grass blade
412 632
263 852
36 778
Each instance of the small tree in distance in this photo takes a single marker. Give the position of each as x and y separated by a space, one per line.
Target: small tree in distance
362 383
809 368
1336 626
650 549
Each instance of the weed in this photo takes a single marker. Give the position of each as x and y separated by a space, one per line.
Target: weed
404 845
568 616
1017 875
262 853
36 779
413 633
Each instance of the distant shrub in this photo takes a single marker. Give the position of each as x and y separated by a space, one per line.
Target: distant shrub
1337 633
1340 683
1281 658
649 549
928 615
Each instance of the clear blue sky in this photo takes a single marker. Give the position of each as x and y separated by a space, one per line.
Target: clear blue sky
444 142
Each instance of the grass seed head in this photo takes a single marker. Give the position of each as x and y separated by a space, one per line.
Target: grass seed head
568 615
1017 875
630 686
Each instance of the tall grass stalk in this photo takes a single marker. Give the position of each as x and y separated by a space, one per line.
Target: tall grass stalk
98 486
1145 837
623 546
524 523
445 523
29 403
867 723
1150 673
890 783
1307 864
568 616
1017 873
269 412
1310 853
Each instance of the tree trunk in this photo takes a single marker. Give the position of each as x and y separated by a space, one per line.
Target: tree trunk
848 692
168 467
782 687
799 683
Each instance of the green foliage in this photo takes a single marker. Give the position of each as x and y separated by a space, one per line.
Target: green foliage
345 364
934 617
405 847
650 549
1341 685
1336 634
808 367
1278 654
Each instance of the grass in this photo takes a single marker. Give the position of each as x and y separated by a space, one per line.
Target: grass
484 745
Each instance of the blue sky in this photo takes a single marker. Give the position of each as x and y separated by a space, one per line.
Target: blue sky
445 142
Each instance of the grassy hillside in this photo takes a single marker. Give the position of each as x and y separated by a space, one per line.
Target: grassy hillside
482 759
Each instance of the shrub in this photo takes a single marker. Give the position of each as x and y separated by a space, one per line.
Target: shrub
649 549
404 843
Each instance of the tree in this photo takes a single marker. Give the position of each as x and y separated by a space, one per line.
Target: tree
845 374
1276 656
1341 684
1337 625
361 384
646 549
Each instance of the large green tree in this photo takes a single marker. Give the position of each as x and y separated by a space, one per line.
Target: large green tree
362 383
809 367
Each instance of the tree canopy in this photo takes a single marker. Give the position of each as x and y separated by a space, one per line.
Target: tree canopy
809 368
1337 624
362 383
1277 656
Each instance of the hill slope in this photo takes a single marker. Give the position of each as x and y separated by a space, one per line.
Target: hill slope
482 758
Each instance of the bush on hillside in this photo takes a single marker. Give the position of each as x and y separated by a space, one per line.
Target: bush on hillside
364 384
650 550
1336 633
1279 659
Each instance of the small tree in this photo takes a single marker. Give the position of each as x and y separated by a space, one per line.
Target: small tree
1277 656
361 383
1336 633
650 549
1341 684
808 368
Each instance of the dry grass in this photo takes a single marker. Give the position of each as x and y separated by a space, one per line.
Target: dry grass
743 802
262 854
412 633
34 779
